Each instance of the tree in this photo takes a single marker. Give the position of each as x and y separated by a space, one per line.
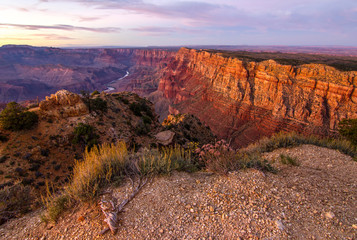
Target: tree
15 117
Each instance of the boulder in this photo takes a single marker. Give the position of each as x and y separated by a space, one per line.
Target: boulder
165 138
64 104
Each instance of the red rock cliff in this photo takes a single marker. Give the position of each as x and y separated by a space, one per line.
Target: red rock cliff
245 101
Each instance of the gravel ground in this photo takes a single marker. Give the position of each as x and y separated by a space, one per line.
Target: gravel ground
315 200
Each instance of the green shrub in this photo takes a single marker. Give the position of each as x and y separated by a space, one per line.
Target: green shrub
285 159
122 99
85 134
98 104
254 160
348 129
140 107
15 118
3 138
146 120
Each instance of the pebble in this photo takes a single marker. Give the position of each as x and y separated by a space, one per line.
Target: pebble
329 215
279 225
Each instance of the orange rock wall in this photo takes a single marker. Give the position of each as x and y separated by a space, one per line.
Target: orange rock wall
244 101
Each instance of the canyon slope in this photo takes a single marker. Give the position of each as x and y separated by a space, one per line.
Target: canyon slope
243 101
29 72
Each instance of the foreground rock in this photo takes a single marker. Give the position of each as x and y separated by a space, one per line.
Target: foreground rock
292 204
64 104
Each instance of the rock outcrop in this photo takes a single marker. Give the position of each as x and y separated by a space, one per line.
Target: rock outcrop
64 104
247 100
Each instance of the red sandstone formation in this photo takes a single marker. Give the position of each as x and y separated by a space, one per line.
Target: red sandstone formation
245 101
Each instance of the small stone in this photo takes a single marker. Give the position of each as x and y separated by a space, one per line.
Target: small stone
354 226
329 215
161 230
81 219
191 210
211 209
279 225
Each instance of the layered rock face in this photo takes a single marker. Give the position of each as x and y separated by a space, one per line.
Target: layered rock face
244 101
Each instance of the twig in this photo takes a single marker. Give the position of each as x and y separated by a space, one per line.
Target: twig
111 213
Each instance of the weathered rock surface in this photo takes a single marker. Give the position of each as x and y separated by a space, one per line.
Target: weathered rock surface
165 138
246 100
64 104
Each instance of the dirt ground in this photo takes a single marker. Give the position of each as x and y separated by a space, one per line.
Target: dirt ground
315 200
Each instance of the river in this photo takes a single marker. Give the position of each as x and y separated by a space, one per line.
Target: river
111 88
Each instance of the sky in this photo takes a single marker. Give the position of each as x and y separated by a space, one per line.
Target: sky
90 23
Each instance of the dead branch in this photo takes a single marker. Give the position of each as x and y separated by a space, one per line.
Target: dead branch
111 210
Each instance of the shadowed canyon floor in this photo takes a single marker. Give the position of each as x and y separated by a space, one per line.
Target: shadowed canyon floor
315 200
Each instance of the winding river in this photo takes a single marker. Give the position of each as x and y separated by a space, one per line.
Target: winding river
111 88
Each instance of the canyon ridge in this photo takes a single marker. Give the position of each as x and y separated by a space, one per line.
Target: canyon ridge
241 99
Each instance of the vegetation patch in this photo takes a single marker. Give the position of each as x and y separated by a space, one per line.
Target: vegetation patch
15 117
123 99
285 140
98 105
221 158
95 92
94 104
14 201
85 135
98 167
288 160
55 204
168 159
141 107
348 129
3 138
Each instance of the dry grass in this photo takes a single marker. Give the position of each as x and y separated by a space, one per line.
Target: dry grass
165 161
55 204
288 160
98 167
15 201
107 162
